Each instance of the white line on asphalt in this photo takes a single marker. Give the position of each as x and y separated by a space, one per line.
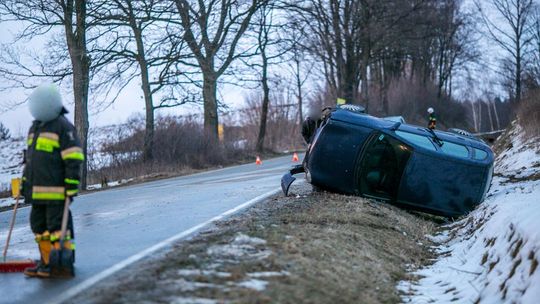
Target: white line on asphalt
85 285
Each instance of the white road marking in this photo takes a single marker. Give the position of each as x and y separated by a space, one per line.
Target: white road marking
85 285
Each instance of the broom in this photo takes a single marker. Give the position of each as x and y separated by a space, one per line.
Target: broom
14 266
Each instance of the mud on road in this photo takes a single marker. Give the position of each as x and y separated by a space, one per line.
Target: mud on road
311 247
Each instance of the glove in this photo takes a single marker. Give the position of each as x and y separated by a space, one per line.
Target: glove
21 187
72 188
18 192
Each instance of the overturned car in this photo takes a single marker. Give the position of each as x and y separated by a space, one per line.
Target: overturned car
443 173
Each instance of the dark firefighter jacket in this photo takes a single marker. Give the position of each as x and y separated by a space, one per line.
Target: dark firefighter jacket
309 126
53 161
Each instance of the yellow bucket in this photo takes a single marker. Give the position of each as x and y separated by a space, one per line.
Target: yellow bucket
15 187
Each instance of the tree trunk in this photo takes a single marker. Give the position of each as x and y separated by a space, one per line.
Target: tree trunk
518 75
475 120
496 115
479 116
80 62
264 108
364 77
489 116
299 96
145 86
210 106
149 107
80 97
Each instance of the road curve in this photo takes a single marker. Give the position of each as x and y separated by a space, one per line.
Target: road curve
112 226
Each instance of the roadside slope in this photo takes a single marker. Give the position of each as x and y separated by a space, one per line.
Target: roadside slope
310 247
492 255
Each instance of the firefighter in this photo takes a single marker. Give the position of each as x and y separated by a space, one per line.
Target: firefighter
432 119
313 121
51 174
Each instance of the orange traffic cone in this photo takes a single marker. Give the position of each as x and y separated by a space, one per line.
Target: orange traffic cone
295 157
258 161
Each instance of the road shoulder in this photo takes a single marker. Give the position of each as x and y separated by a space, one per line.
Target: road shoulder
309 247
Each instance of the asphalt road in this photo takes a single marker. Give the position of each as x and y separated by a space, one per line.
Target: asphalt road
113 225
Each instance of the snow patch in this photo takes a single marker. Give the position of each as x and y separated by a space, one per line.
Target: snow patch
492 255
6 202
191 300
242 246
522 157
198 272
185 285
110 184
268 274
254 284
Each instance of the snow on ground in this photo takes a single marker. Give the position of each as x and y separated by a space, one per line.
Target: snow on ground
492 255
11 156
6 202
110 184
97 140
242 246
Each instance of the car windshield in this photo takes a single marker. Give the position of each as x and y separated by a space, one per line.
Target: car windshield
480 154
417 139
454 149
382 166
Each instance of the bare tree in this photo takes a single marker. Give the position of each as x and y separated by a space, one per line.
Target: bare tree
456 43
348 36
42 17
270 50
513 34
132 39
212 30
299 65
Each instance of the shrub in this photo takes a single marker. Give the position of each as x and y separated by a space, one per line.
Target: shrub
528 113
179 146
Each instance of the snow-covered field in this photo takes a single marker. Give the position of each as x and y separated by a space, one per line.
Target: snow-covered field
492 255
11 155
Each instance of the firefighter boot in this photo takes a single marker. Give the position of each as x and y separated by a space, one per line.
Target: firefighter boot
42 268
62 256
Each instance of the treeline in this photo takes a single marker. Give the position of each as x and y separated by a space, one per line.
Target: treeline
393 57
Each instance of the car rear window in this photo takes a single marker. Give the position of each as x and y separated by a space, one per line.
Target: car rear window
454 149
417 140
480 154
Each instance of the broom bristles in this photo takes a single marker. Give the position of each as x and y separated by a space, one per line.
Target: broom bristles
16 266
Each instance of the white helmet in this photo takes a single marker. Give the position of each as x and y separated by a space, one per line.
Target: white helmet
430 110
315 111
45 102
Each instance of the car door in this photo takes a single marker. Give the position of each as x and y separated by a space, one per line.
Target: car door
381 166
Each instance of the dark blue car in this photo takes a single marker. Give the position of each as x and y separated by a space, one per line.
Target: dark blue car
437 172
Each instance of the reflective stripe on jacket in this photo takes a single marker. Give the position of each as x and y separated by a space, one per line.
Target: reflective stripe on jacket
53 161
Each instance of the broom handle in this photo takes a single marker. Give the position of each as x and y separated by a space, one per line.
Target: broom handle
11 227
65 218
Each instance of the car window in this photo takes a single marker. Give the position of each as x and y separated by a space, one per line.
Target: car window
454 149
480 154
382 165
416 139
